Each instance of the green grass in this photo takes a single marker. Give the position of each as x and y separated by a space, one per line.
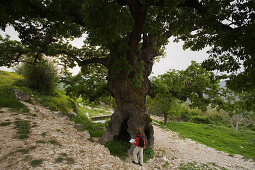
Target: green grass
5 123
64 157
118 148
54 142
58 102
95 112
20 150
36 162
219 137
92 128
23 128
9 81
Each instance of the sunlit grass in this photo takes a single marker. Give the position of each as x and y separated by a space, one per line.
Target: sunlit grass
8 82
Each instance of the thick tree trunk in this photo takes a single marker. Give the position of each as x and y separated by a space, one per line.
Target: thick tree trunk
130 113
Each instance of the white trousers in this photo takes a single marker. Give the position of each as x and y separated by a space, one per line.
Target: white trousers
138 155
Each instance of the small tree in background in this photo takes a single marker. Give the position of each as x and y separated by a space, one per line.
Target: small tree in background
41 76
194 84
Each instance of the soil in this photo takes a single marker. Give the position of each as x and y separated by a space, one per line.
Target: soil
55 143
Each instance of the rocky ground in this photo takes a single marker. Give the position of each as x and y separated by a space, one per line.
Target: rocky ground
54 143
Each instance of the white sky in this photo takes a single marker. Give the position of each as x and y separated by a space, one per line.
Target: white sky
176 57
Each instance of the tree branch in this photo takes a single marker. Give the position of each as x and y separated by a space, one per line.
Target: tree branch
93 60
138 14
203 11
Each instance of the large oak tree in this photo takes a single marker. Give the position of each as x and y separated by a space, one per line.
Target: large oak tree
125 36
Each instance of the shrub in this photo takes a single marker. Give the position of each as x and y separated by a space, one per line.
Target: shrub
148 153
41 76
200 119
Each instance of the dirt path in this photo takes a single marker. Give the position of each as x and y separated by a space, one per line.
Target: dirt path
172 151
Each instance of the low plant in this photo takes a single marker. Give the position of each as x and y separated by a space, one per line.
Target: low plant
36 162
23 128
59 159
118 148
21 150
148 153
5 123
165 164
200 119
54 142
64 157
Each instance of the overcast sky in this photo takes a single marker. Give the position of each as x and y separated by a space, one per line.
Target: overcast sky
176 57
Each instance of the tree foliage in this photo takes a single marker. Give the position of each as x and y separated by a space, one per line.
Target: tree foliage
195 84
200 89
90 83
226 25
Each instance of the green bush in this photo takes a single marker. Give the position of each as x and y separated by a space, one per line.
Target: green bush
41 76
148 153
200 119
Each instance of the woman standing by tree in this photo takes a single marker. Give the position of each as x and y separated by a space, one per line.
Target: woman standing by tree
138 151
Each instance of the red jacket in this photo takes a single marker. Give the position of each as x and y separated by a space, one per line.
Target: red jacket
137 139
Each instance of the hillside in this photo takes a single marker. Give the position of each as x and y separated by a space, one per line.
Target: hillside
35 137
52 142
